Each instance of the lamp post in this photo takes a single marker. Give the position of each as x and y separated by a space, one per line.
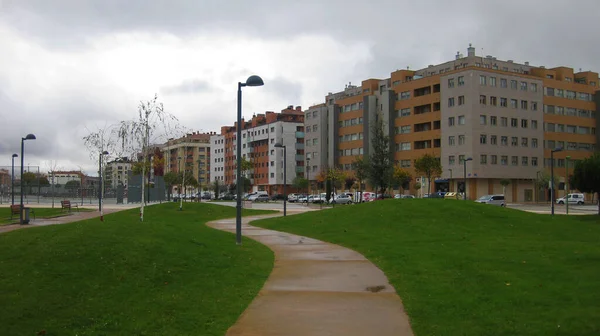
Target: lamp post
12 178
28 137
101 184
182 185
308 178
450 178
567 183
278 145
465 176
552 177
251 81
537 186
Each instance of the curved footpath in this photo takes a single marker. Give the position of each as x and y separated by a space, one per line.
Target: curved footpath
317 288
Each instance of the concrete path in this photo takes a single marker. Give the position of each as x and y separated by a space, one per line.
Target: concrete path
73 217
317 288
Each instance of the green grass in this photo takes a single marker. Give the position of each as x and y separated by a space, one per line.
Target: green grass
40 213
473 269
170 275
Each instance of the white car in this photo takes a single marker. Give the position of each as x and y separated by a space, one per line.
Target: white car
573 199
492 199
293 198
342 199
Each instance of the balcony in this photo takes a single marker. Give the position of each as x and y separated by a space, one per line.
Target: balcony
424 144
299 169
299 145
299 157
299 135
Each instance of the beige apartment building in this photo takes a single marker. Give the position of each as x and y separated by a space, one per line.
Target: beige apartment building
505 116
190 153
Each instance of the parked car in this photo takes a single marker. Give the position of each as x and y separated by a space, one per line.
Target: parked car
277 197
342 199
492 199
572 199
261 198
397 196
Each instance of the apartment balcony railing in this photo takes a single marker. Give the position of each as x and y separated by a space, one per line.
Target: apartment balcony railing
299 145
299 157
300 135
299 169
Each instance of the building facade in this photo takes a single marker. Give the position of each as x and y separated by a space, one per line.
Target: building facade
217 148
190 153
259 136
116 172
506 117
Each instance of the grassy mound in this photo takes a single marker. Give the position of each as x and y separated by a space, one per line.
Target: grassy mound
170 275
473 269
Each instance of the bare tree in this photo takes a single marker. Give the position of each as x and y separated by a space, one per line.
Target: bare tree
52 166
152 125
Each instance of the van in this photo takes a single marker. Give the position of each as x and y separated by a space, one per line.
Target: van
492 199
573 199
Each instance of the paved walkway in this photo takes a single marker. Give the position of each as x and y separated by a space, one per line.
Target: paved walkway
317 288
73 217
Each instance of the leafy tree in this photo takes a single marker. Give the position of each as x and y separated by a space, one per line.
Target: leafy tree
349 182
336 176
246 166
401 177
361 172
429 166
72 186
247 184
231 188
504 183
300 183
217 188
138 167
380 172
328 190
417 186
158 163
28 179
321 178
43 180
171 179
586 176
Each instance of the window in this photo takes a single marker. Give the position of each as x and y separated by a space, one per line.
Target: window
493 120
461 100
523 86
461 120
533 87
403 130
405 112
483 159
494 159
524 123
316 127
523 104
524 161
503 102
404 95
493 101
514 160
503 82
483 139
493 140
482 80
404 163
461 159
483 120
315 142
513 103
504 160
451 160
504 141
504 121
451 141
550 127
514 122
482 100
534 106
524 142
461 80
492 81
307 117
405 146
451 102
450 82
461 140
307 129
514 141
451 121
534 124
534 142
534 161
513 84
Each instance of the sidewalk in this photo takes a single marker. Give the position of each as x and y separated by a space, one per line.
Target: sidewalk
73 217
317 288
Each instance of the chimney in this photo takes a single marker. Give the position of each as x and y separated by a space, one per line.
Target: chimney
298 108
526 63
471 50
457 55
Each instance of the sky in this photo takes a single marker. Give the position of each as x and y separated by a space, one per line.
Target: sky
72 67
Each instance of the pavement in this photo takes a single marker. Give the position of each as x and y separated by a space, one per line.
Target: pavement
546 208
317 288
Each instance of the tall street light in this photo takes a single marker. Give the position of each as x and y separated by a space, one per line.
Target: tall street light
278 145
101 184
552 177
307 178
182 185
450 179
251 81
12 178
465 171
28 137
567 183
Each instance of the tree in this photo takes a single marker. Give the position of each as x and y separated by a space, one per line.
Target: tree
401 177
349 182
217 188
586 176
429 166
171 179
300 183
246 166
72 185
361 171
28 178
417 186
504 183
336 176
158 163
321 178
380 168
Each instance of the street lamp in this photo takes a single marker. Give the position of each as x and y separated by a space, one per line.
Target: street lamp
308 178
567 183
182 184
278 145
552 177
465 171
251 81
12 178
101 184
450 178
27 137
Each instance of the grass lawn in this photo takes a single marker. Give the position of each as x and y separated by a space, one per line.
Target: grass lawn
473 269
170 275
40 213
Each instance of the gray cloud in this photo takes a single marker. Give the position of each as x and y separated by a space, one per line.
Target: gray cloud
190 86
284 89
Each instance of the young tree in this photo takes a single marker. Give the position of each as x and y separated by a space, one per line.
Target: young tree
401 177
504 183
217 188
380 172
28 179
586 176
349 182
171 179
153 124
361 171
52 168
300 183
429 166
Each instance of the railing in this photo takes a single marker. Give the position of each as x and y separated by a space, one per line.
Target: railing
300 135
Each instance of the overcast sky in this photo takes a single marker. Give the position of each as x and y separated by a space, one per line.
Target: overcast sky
69 66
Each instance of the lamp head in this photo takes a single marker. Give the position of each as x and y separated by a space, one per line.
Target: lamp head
105 153
14 155
469 159
29 137
560 149
254 80
278 145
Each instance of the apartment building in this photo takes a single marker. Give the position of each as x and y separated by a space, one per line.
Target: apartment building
190 153
116 172
259 136
503 115
63 177
217 147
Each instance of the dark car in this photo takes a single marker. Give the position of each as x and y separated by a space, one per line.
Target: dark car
227 197
262 198
278 197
